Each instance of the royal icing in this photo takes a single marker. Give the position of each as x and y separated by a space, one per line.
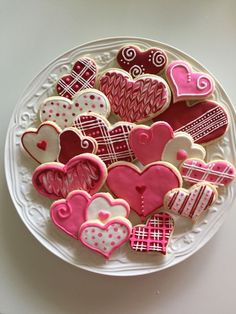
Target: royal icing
154 236
113 143
84 172
143 190
92 100
135 100
83 75
137 62
187 84
205 121
73 143
105 238
69 214
148 143
193 202
219 172
180 148
42 144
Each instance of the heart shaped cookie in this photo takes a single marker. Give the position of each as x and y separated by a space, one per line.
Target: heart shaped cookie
154 236
113 142
148 143
73 143
137 62
143 190
42 144
69 214
187 84
84 172
205 121
83 75
193 202
218 172
135 100
105 238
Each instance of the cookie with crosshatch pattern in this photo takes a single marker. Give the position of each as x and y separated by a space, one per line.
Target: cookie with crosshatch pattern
154 236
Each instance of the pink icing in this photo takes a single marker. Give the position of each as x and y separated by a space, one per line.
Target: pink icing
187 84
103 215
144 191
148 143
83 172
181 154
219 172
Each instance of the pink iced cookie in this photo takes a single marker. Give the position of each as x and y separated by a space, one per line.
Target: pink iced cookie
135 100
137 62
92 100
84 172
73 143
187 84
148 143
105 238
154 236
42 144
113 141
83 75
143 190
218 172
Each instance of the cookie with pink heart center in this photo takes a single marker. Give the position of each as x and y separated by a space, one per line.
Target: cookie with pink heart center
143 190
137 62
218 172
42 144
113 141
84 172
135 100
154 236
187 84
73 143
105 238
83 75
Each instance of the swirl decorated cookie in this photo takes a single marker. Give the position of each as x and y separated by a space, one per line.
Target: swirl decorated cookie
136 100
137 62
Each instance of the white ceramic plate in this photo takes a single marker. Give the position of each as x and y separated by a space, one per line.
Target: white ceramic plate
34 209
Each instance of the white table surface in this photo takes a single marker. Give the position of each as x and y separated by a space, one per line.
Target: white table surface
32 280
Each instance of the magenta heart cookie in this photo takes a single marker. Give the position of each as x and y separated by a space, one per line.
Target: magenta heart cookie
42 144
105 238
113 141
187 84
143 190
154 236
73 143
205 121
137 62
83 75
69 214
135 100
84 172
219 172
148 143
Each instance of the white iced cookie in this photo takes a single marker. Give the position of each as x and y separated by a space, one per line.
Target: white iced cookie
180 148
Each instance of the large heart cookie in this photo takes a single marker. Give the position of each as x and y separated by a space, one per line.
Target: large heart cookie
135 100
187 84
84 172
105 238
219 172
83 75
148 143
137 62
42 144
205 121
154 236
113 143
193 202
143 190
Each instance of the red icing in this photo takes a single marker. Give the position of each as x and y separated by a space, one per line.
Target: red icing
181 154
42 145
